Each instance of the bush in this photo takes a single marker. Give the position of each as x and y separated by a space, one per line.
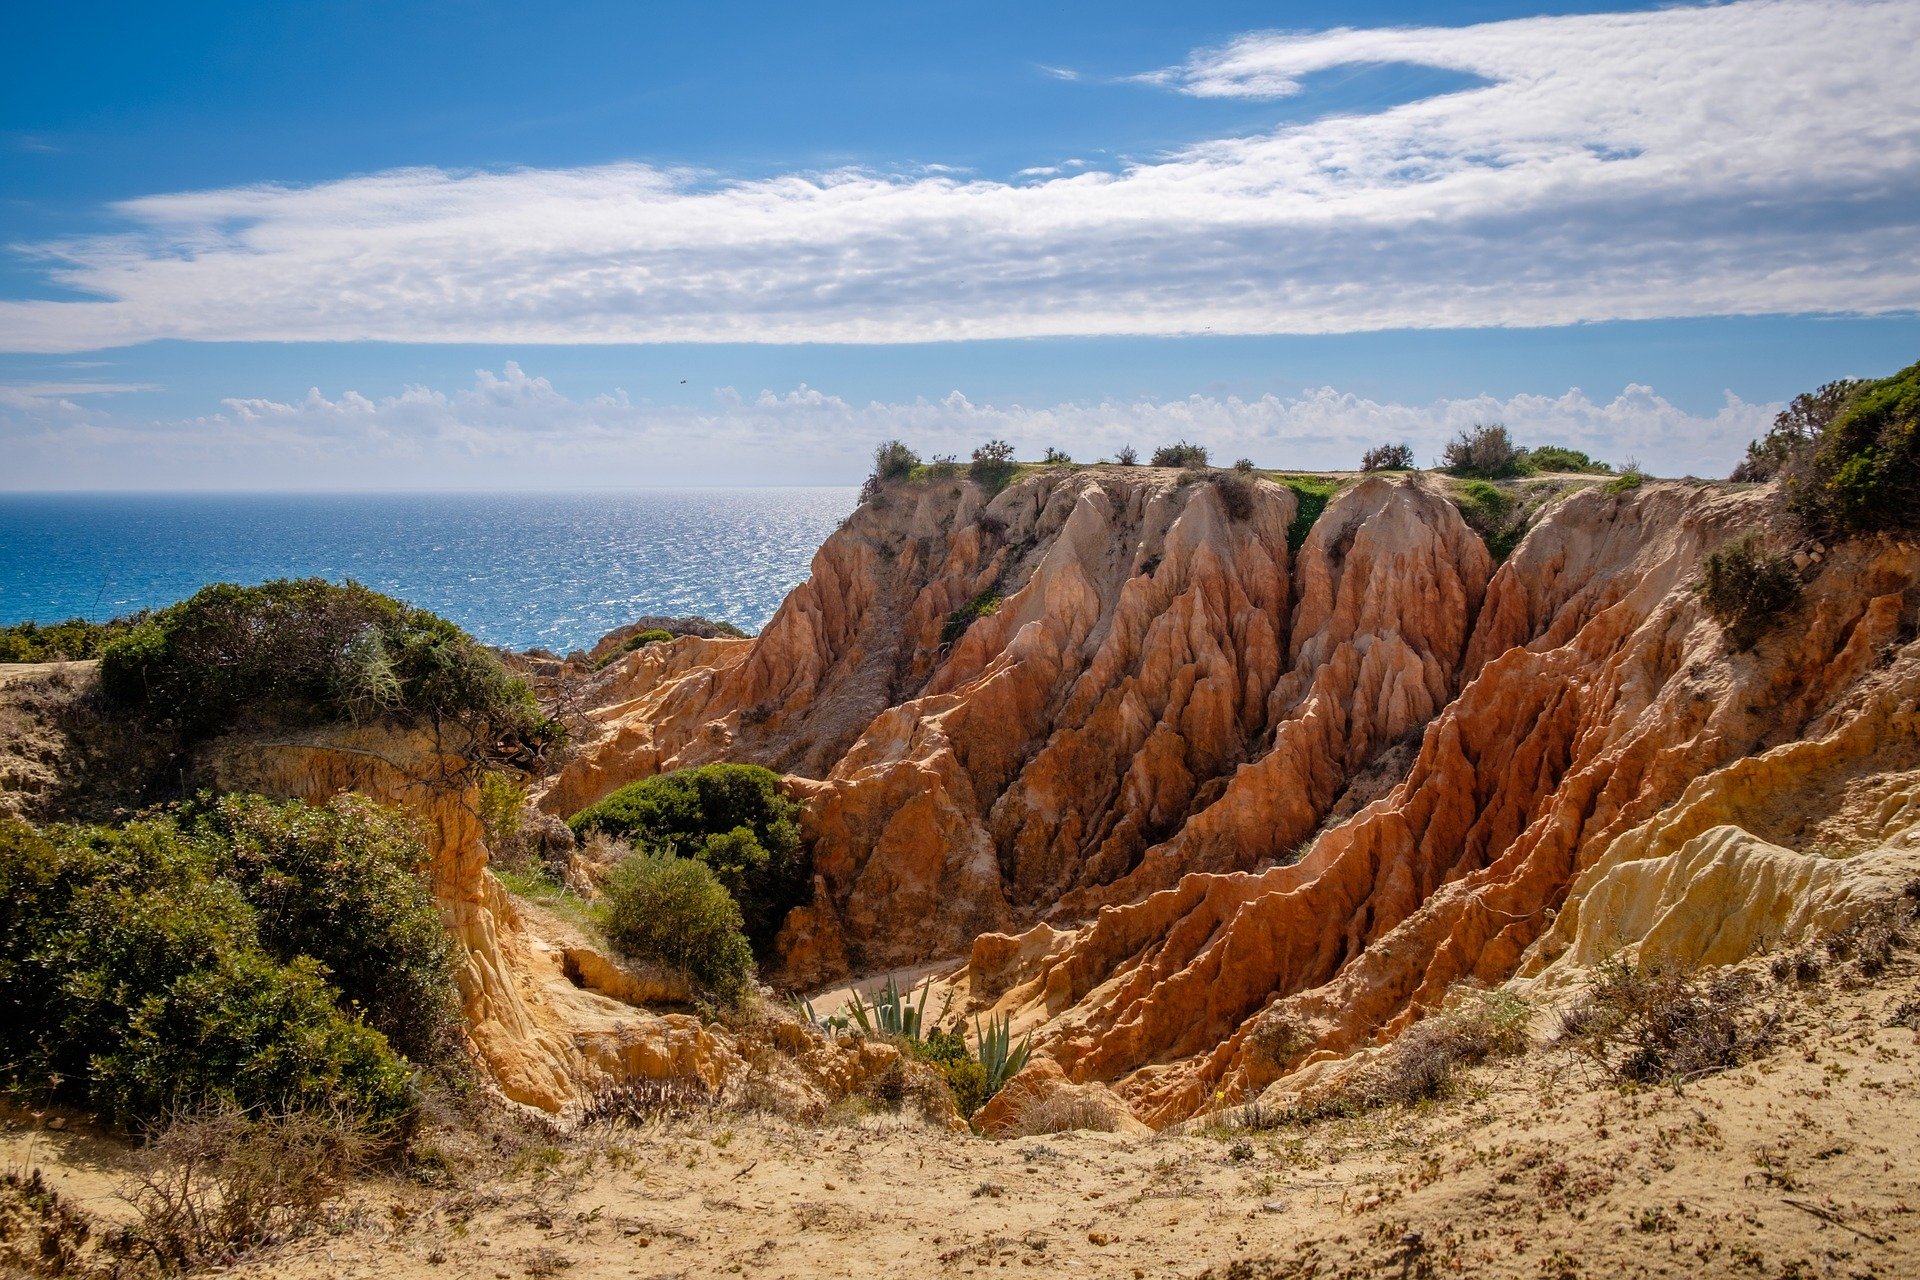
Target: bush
1243 465
1486 452
1236 493
981 606
993 465
74 640
169 964
220 1181
344 883
966 1076
1180 454
1490 512
674 911
1553 457
892 460
310 652
1126 457
1864 474
1056 457
1422 1063
1796 430
1629 479
1651 1025
1748 589
730 817
1388 457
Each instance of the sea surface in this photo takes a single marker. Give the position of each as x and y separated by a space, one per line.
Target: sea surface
556 570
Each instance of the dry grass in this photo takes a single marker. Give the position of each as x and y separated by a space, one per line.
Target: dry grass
1062 1111
215 1185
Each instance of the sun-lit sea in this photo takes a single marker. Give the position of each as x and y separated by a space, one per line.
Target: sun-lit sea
556 570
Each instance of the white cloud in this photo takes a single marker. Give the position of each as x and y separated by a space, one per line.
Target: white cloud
516 428
1746 158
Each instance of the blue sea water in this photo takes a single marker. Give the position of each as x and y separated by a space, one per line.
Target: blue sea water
556 570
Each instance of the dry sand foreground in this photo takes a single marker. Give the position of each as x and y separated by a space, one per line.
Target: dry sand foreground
1804 1164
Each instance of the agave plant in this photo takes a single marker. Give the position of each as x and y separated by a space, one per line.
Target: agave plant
998 1054
831 1023
892 1012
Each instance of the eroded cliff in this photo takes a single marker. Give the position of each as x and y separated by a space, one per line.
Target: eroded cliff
1153 781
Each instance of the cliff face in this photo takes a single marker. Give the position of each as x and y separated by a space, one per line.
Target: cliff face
1146 698
1181 783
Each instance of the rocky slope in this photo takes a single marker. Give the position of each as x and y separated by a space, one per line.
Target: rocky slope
1152 782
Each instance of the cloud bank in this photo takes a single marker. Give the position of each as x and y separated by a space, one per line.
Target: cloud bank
519 425
1746 158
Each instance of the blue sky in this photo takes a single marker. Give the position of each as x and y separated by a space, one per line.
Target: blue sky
588 245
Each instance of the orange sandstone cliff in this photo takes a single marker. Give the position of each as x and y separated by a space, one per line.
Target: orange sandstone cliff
1116 761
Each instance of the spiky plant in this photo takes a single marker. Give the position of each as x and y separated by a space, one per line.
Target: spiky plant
998 1054
892 1012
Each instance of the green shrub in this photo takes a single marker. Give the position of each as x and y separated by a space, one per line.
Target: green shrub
674 911
966 1076
1493 514
344 883
981 606
993 466
1748 589
1628 480
639 640
1553 457
74 640
730 817
1388 457
310 652
1796 430
1864 474
1181 453
1486 452
1127 457
892 460
1056 457
1311 495
134 980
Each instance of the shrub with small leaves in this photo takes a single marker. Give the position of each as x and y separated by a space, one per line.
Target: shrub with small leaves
732 817
674 911
1486 452
1056 457
1748 589
1127 457
1181 453
1553 457
1388 457
993 465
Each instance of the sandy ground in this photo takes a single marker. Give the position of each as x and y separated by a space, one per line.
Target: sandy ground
1804 1164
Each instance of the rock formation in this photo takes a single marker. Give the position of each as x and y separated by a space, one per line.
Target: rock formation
1154 782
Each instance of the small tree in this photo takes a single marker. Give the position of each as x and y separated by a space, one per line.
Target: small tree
993 465
1056 457
1243 465
1126 457
1180 454
1388 457
1486 452
1796 430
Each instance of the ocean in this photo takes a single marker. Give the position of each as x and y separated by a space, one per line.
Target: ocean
554 570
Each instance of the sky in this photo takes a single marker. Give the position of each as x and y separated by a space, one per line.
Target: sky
471 245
